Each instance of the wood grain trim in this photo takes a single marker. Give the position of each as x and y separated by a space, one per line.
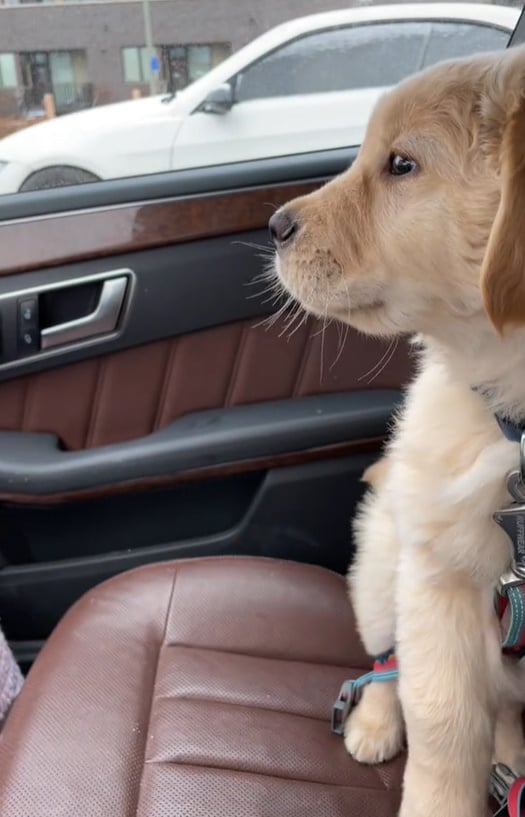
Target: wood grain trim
62 239
367 446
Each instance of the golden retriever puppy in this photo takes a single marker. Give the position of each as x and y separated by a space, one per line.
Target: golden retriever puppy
424 235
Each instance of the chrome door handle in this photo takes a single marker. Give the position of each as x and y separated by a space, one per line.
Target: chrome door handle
101 321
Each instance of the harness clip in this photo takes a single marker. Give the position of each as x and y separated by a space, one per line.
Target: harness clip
385 669
349 695
512 520
500 781
507 790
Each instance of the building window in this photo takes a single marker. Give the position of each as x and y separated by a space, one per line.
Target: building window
136 64
182 64
61 73
8 71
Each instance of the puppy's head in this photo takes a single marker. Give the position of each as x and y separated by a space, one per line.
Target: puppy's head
428 223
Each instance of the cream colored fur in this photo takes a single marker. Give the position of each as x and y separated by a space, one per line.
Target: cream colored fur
439 253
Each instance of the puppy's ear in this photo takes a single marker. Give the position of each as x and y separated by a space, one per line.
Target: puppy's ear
503 269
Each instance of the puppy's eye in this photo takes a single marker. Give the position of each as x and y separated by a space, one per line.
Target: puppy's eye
400 165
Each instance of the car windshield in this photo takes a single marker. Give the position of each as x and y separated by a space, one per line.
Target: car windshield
84 98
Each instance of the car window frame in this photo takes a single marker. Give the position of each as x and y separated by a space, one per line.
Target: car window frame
517 36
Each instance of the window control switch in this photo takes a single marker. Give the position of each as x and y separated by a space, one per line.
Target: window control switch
28 340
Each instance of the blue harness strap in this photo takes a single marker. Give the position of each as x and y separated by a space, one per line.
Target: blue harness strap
384 669
510 609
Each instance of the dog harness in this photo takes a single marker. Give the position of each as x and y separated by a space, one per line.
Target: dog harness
384 669
507 791
506 788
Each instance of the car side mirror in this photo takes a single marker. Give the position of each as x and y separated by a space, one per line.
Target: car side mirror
219 101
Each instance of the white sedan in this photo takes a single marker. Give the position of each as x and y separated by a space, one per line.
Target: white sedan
306 85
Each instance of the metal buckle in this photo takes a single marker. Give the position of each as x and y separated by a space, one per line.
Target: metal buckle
348 697
516 479
500 783
509 579
512 520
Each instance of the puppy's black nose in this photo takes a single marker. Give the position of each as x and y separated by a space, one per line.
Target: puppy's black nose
283 227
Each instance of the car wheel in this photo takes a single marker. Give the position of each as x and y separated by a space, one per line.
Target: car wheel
57 177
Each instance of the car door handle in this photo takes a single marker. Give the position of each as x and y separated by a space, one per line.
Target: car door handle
102 320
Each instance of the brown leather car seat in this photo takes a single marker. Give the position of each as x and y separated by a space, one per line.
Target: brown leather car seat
198 688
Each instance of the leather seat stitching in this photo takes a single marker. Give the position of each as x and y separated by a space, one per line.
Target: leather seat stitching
269 657
234 770
153 686
251 707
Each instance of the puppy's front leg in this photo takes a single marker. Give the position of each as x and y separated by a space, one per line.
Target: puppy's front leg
374 731
445 692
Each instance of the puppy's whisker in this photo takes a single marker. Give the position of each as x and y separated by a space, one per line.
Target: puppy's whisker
273 299
273 296
302 322
268 286
271 320
271 287
267 248
266 276
378 363
323 338
342 343
394 346
299 317
325 324
343 336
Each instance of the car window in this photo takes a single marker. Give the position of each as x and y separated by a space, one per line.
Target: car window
98 90
451 40
367 56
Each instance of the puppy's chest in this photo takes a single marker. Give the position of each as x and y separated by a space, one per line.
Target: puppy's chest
448 478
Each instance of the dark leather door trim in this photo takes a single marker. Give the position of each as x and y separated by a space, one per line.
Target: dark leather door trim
371 445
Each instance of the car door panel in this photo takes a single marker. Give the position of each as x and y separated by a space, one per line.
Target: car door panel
204 424
34 465
121 396
286 512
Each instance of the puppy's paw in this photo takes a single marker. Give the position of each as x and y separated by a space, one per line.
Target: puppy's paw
374 731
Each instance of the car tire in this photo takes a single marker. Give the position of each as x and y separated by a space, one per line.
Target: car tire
59 176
